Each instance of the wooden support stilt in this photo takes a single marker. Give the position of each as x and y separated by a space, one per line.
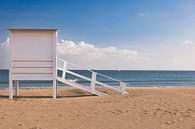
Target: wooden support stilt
10 89
17 88
54 89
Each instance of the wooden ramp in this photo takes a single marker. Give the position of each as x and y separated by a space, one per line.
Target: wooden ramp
121 88
79 86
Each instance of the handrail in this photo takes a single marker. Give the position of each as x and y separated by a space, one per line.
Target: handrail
76 74
88 79
122 85
91 70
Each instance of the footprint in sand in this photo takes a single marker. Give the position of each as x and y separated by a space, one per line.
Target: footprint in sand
35 128
60 115
116 111
95 113
19 124
42 116
188 113
170 122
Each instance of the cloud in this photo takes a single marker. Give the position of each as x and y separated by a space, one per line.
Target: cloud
187 42
98 58
177 61
4 54
90 56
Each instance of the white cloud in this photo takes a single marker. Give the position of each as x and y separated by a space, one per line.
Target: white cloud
4 57
177 61
98 58
91 56
187 42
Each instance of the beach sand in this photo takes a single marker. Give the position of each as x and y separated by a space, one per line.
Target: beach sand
142 108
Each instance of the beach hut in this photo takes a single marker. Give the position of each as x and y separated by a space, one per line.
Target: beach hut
32 57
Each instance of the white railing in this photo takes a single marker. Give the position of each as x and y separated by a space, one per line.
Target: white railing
64 68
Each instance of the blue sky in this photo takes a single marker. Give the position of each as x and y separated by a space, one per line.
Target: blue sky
156 29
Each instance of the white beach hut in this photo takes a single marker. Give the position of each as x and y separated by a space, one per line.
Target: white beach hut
32 57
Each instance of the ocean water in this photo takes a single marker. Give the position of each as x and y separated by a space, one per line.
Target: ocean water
133 78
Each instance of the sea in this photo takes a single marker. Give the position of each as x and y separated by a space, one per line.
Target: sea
133 78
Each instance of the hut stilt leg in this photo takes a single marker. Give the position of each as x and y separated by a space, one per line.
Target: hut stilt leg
17 88
10 89
54 89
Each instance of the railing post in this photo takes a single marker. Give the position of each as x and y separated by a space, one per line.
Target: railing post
64 70
93 80
123 88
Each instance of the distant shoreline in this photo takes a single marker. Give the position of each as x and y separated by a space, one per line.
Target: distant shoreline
132 78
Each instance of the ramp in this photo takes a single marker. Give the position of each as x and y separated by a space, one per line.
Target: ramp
121 88
79 86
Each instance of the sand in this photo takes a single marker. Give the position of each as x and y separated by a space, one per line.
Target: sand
158 108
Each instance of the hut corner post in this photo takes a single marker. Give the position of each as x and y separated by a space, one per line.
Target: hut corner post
54 89
10 69
16 88
54 66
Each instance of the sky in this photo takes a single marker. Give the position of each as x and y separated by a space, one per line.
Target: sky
110 34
